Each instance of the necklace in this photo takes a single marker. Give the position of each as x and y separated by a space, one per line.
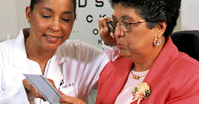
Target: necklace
137 77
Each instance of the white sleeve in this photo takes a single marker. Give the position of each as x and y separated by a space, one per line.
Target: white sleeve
112 52
95 63
15 93
87 62
101 61
84 65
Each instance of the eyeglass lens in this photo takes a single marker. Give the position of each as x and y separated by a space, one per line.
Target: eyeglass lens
123 24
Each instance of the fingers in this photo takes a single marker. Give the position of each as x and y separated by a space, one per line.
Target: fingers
36 93
70 100
61 93
105 35
52 82
30 88
102 22
26 84
104 32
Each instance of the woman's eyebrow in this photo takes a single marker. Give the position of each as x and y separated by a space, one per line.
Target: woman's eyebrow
48 9
114 18
67 12
127 17
122 17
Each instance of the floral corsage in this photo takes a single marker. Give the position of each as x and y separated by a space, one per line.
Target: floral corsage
142 91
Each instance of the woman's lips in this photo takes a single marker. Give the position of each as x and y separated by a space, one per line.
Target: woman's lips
120 46
52 39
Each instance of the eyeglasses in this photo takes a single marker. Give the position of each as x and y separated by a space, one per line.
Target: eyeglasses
123 24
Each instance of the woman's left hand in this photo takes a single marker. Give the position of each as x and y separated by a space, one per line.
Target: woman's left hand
105 35
64 99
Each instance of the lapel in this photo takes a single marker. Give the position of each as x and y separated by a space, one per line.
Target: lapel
162 63
114 82
19 52
55 67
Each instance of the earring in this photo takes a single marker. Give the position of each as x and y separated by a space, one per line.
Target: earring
29 22
157 41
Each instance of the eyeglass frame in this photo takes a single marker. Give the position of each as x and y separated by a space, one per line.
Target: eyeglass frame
114 27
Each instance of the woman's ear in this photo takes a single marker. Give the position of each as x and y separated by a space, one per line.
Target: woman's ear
161 27
28 13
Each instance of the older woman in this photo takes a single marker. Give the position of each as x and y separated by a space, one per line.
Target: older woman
72 67
151 69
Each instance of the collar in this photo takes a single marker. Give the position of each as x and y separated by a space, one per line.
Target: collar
166 57
19 51
55 68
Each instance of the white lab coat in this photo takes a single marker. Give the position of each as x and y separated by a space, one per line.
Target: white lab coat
75 62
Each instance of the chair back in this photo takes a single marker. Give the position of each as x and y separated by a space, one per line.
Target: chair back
188 42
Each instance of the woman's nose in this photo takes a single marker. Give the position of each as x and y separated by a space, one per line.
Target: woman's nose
118 32
55 26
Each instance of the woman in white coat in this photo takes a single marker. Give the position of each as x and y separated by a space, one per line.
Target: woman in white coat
72 67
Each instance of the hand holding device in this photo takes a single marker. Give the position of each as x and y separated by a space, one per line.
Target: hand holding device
42 88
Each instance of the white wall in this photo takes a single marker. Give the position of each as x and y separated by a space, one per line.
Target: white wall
8 21
190 15
21 17
13 18
86 25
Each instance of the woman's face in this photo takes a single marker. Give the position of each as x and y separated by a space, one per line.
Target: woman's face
139 40
51 22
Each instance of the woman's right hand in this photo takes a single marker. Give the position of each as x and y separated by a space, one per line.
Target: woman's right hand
29 88
105 35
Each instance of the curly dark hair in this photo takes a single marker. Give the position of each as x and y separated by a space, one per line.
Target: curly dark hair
154 11
34 2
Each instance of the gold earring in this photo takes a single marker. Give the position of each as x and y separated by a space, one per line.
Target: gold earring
157 41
